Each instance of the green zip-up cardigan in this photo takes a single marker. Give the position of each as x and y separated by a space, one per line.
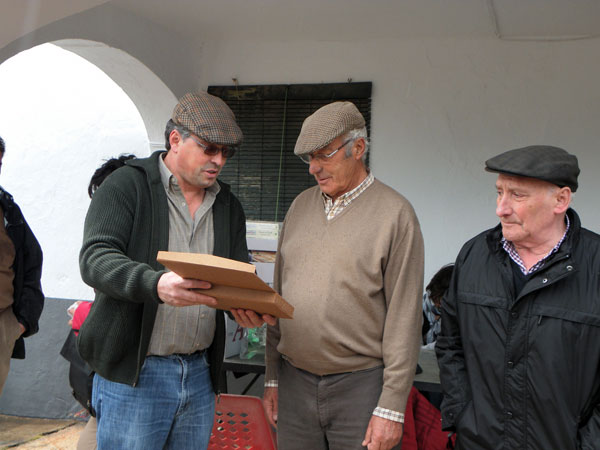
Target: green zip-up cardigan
126 225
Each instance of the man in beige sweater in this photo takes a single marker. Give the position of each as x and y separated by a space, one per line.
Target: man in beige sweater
350 261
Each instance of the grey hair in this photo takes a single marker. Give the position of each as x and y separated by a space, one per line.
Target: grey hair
184 132
356 134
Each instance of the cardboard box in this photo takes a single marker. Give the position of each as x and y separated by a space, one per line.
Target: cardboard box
234 283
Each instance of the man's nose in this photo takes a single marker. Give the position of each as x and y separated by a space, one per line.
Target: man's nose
217 159
503 207
314 167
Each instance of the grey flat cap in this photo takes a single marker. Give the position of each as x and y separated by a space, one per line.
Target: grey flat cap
327 123
208 117
544 162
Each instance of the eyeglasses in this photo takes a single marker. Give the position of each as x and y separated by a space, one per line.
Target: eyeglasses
322 157
212 149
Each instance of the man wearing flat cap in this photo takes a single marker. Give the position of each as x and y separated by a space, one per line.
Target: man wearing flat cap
519 350
350 260
154 340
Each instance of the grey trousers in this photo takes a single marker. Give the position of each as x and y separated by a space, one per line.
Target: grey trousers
329 412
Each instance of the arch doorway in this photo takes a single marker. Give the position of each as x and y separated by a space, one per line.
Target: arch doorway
66 107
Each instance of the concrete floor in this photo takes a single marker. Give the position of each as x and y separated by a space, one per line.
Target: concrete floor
20 433
24 433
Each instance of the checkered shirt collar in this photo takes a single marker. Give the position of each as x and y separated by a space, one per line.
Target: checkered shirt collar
333 208
509 247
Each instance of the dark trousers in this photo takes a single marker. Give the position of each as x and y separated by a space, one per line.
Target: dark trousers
325 412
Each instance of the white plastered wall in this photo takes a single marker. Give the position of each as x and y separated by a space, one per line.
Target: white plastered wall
59 125
151 97
440 108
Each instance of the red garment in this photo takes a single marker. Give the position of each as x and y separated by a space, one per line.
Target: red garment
81 313
423 425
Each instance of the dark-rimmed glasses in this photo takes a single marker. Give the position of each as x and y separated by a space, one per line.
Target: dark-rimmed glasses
212 149
322 157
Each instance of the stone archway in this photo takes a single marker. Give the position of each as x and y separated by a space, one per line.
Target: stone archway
56 137
153 99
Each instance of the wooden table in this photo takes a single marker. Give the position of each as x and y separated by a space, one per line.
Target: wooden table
428 380
255 365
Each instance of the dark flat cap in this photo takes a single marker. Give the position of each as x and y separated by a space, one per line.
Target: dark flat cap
327 123
208 117
544 162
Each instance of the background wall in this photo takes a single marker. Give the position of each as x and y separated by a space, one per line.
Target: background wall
61 118
440 108
171 56
441 105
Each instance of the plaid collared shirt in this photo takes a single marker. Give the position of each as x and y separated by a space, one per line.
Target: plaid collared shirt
334 208
388 414
509 247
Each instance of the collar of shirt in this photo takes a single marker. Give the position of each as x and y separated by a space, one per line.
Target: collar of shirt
333 208
170 183
509 247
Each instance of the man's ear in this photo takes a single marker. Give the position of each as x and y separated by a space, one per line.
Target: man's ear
359 145
563 199
175 138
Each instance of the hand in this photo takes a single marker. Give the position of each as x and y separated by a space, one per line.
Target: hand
247 318
382 434
177 291
71 309
270 404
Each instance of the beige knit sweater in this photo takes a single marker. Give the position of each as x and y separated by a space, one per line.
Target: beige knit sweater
356 284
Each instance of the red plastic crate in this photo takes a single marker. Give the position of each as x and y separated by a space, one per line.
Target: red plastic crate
241 424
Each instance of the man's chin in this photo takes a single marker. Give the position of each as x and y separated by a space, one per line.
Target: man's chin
208 181
508 234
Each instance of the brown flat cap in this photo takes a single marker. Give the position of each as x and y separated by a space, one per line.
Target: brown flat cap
544 162
327 123
208 117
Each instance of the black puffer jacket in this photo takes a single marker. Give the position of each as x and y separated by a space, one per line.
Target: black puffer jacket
523 372
28 296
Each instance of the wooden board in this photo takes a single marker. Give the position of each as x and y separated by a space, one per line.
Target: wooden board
234 283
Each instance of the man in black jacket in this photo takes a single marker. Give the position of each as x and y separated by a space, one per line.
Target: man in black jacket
21 297
519 350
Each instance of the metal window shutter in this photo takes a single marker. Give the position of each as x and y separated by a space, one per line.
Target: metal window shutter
254 172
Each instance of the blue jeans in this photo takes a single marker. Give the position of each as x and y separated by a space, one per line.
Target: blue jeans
171 407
